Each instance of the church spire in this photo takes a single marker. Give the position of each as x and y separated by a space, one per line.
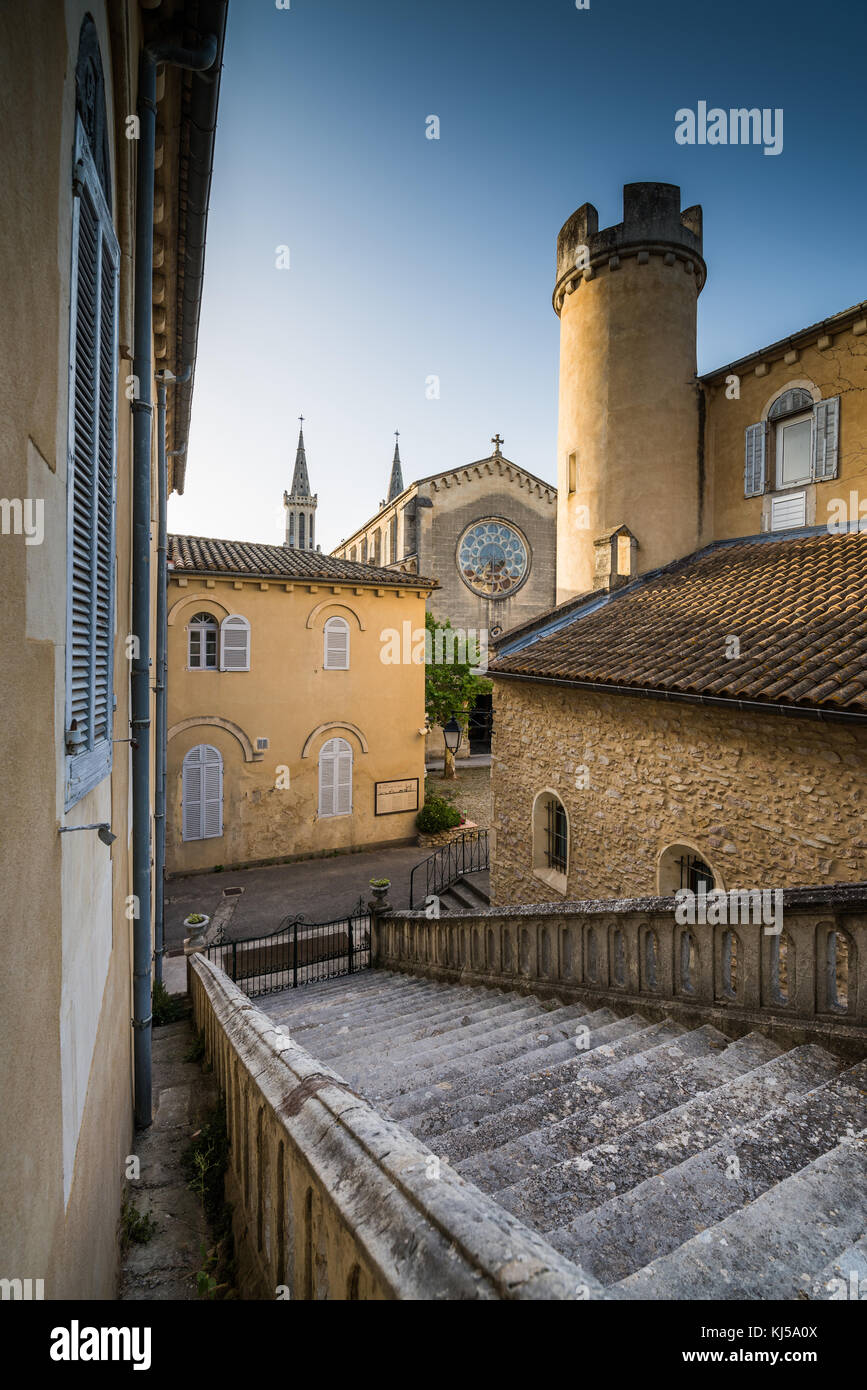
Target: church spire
300 503
300 480
395 486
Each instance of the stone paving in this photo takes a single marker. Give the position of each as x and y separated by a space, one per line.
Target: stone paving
164 1268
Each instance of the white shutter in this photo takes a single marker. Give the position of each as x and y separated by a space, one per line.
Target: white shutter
788 510
825 436
212 797
90 480
754 460
336 656
335 778
326 783
343 797
192 796
234 644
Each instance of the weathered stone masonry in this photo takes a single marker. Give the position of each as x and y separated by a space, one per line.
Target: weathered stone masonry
765 800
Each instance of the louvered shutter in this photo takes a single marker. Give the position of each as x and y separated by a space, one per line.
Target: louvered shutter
336 645
754 460
90 480
202 793
212 796
343 790
235 644
825 436
192 795
326 782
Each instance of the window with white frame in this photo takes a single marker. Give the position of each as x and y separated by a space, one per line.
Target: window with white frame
90 479
202 793
336 645
335 778
234 643
801 436
202 642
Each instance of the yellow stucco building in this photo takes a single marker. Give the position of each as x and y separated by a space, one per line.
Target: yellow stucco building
292 731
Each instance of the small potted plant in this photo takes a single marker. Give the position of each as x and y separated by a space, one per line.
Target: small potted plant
196 923
380 888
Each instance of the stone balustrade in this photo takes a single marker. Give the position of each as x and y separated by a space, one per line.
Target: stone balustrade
805 982
331 1200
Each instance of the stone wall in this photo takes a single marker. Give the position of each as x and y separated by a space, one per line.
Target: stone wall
766 801
333 1201
632 955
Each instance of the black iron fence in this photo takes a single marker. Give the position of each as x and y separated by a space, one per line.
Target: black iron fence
297 953
466 854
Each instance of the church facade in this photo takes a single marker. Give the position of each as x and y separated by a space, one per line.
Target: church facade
697 700
486 531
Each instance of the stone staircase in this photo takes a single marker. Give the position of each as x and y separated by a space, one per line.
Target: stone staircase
667 1162
468 893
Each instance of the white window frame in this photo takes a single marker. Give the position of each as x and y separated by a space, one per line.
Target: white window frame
197 625
335 624
203 801
335 755
88 758
233 624
780 427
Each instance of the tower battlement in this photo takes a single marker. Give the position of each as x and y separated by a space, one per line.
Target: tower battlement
653 224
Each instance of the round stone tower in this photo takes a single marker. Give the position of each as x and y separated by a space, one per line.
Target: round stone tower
630 471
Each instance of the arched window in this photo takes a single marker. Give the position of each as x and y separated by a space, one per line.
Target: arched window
550 840
202 640
335 778
301 520
680 866
202 793
336 645
235 643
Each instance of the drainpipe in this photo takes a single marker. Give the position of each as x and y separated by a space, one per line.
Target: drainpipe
197 59
161 689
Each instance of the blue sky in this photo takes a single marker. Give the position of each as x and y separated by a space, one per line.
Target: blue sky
412 257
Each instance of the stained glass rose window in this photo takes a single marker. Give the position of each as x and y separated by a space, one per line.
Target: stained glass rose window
493 558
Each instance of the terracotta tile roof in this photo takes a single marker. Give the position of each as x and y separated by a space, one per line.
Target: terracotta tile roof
203 555
797 605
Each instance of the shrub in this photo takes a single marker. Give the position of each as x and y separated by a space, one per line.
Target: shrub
437 814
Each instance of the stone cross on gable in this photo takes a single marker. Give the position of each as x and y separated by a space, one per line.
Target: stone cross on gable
497 441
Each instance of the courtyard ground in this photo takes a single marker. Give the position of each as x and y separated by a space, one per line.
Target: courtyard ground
321 889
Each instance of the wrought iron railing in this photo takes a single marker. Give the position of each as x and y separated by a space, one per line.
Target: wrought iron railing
297 953
467 853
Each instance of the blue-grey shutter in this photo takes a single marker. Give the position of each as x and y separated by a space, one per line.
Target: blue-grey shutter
754 459
825 436
90 480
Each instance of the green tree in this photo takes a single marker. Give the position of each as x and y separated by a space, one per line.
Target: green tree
451 686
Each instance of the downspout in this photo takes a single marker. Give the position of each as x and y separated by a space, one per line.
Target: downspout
161 689
198 59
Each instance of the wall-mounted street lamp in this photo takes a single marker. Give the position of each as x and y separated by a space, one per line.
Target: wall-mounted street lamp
102 828
452 735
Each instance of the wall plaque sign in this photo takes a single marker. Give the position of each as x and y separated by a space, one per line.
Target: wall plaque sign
400 795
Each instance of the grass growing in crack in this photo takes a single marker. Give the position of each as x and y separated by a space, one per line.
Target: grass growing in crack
197 1051
136 1228
204 1163
163 1007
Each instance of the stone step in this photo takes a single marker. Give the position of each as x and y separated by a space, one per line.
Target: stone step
349 991
569 1087
493 1075
663 1212
395 1004
422 1031
455 1077
460 1042
773 1248
740 1081
844 1279
603 1109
